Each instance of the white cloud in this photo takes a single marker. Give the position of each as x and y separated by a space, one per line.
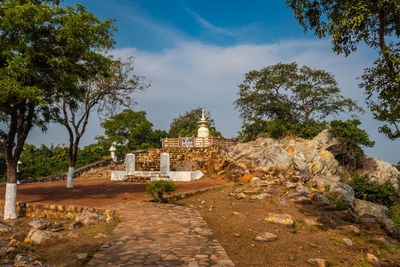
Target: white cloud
195 74
208 25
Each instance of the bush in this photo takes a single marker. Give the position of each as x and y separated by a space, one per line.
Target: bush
341 205
350 153
156 189
384 194
394 214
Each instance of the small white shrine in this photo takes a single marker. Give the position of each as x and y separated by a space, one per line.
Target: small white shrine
203 131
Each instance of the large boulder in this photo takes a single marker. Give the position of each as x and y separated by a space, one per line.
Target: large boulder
259 158
87 217
343 191
380 171
4 227
39 223
42 236
365 208
368 210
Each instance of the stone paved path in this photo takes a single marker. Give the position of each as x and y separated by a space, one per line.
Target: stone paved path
152 234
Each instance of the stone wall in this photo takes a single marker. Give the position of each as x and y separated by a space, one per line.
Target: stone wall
150 160
44 210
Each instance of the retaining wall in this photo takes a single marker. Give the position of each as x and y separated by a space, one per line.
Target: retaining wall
44 210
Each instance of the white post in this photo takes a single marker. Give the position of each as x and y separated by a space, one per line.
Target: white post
130 164
10 206
164 164
70 177
112 150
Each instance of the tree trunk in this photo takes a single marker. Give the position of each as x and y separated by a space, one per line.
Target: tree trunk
72 163
129 145
10 206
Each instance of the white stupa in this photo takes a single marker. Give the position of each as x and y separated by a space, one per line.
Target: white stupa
203 123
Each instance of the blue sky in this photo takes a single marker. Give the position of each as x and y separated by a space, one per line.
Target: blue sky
195 53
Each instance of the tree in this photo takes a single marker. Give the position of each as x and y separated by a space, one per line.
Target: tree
186 124
290 96
375 23
45 50
105 92
349 153
133 129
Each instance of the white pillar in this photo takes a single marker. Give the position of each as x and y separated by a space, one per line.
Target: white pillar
164 164
130 164
113 149
10 206
70 177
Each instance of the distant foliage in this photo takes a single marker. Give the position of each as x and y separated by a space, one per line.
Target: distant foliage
132 131
352 138
157 189
384 194
280 129
43 161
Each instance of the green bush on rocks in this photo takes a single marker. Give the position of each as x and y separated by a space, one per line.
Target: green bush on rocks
384 194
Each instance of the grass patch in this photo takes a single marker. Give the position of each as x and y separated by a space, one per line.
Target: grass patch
336 240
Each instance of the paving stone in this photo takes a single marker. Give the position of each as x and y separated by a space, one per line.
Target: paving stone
152 234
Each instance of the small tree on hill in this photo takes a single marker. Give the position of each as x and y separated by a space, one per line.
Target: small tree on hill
186 124
296 98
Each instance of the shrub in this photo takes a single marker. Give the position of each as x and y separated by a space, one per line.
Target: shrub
350 153
341 205
156 189
384 194
394 214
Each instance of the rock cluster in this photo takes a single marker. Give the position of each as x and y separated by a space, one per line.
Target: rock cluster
309 157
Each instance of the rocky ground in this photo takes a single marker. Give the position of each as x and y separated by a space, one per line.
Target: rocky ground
37 242
281 222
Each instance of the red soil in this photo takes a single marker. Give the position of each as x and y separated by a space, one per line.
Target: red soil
94 192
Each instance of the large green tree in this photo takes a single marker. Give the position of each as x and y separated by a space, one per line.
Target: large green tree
131 128
187 124
290 96
374 23
105 93
45 50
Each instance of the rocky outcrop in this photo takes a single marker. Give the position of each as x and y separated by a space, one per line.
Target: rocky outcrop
380 171
310 156
341 191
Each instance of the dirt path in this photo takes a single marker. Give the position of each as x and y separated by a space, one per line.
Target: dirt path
93 192
152 234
